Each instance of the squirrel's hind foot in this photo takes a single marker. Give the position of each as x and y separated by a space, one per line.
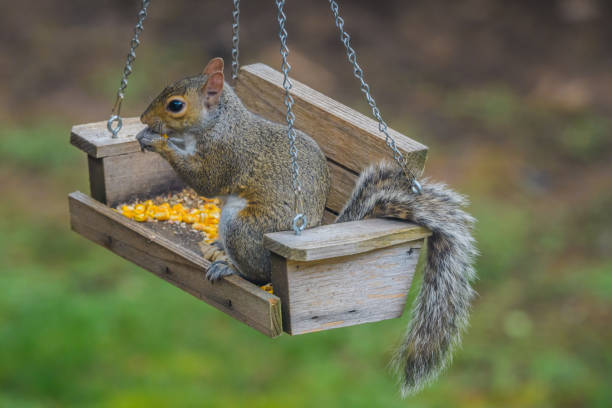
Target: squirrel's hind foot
219 269
212 252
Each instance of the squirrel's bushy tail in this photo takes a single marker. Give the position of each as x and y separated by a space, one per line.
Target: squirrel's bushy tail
441 310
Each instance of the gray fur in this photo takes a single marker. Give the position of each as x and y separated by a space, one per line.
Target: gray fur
441 310
241 155
245 158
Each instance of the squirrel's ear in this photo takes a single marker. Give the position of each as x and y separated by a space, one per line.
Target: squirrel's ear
215 65
212 89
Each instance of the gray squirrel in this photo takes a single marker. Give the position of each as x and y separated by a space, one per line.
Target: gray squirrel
219 148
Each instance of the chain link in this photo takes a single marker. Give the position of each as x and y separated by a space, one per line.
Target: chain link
300 221
236 39
365 88
115 122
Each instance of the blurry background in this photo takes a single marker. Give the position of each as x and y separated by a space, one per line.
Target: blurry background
514 100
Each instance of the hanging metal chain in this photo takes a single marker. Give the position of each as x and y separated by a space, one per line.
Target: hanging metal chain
235 39
365 88
115 123
299 222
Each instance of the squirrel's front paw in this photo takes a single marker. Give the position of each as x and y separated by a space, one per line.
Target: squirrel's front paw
219 269
150 141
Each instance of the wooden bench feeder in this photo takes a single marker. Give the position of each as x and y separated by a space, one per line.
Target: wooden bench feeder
331 276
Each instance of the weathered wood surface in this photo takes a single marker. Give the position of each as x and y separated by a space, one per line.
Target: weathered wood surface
350 140
118 179
359 273
175 264
95 139
347 238
342 184
97 184
345 135
130 173
328 218
344 291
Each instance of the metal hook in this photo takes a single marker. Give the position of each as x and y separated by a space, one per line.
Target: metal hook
299 224
114 125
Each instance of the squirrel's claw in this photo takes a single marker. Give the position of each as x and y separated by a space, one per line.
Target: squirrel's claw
218 244
212 252
219 269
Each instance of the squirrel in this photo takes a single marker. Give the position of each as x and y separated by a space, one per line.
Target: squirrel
220 148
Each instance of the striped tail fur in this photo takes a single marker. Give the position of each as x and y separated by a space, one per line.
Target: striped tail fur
441 310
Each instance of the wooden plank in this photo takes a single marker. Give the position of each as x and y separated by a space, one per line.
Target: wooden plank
136 176
342 184
114 178
345 291
175 264
328 218
95 139
346 136
97 186
347 238
281 287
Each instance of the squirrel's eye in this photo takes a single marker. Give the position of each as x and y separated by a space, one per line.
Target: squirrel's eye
175 106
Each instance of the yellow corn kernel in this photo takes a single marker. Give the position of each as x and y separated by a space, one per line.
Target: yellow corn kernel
164 205
198 226
176 217
140 217
189 218
268 288
178 207
139 209
209 207
148 203
151 211
210 230
162 214
202 217
128 213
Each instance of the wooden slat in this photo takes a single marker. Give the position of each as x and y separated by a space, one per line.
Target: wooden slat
348 238
137 175
127 175
95 140
342 184
345 291
346 136
97 185
328 218
175 264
